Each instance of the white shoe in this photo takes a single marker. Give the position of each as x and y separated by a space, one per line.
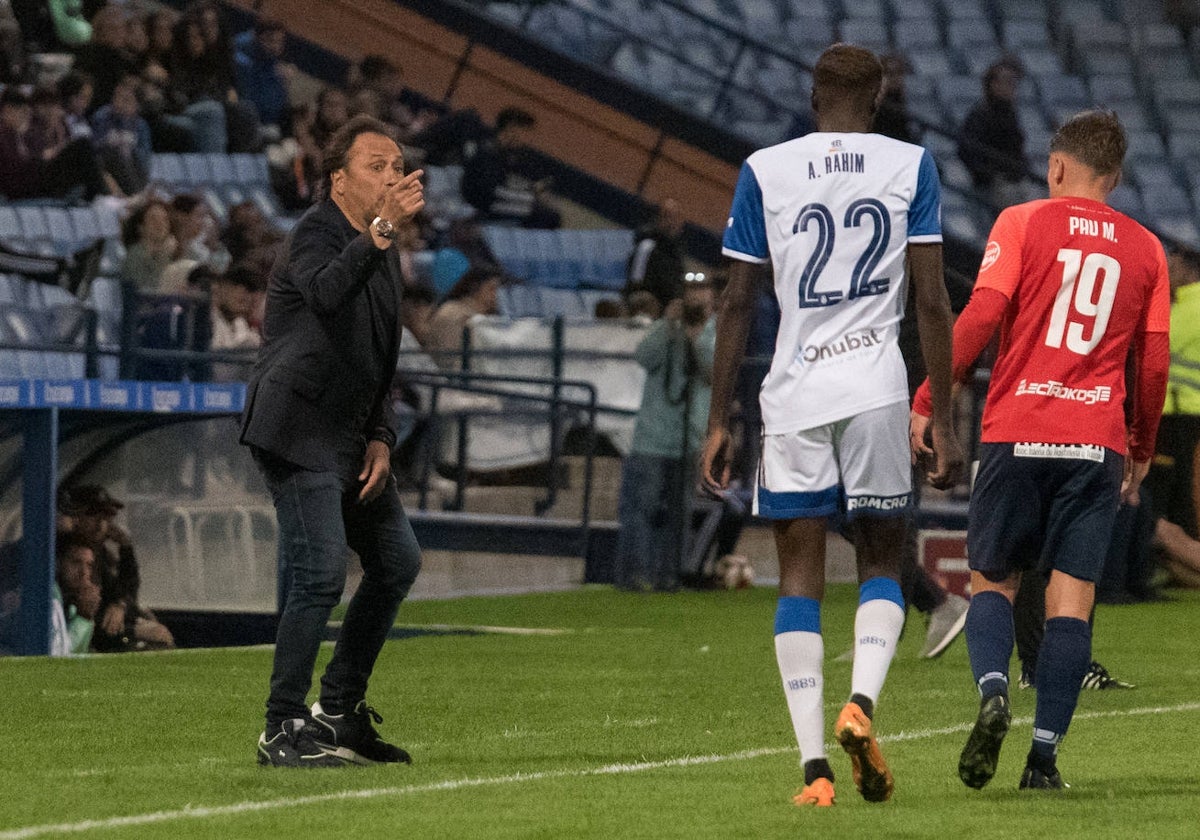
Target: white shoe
945 623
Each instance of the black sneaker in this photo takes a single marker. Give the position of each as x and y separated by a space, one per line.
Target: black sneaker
1035 779
1098 679
352 737
292 745
977 764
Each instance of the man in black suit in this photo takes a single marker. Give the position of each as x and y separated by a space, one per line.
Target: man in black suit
319 422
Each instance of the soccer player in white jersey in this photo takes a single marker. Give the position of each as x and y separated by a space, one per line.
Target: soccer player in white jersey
836 213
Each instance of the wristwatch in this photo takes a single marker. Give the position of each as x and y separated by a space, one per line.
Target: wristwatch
383 228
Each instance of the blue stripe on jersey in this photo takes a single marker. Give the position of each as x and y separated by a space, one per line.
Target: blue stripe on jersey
796 504
796 613
880 589
746 233
925 212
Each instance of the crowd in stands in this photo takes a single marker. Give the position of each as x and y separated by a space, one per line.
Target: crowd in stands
94 599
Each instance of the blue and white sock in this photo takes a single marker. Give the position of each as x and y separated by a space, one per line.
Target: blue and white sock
877 626
800 652
990 637
1064 659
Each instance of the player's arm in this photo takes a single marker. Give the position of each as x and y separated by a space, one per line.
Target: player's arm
745 242
1152 362
734 314
934 322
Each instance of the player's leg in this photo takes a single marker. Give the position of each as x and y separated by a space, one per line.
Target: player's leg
1003 528
797 487
1078 528
876 475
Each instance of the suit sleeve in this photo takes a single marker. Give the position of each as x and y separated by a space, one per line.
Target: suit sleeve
327 274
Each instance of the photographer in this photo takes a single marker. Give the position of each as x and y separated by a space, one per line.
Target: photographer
659 473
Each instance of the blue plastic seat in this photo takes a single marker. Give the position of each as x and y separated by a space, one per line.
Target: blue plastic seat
85 223
195 170
222 169
33 223
167 168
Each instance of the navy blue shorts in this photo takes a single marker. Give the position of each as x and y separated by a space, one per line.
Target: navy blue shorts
1044 507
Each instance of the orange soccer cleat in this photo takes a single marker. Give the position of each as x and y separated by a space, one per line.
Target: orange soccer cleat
819 793
871 774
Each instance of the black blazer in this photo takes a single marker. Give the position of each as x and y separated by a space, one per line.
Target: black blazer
321 387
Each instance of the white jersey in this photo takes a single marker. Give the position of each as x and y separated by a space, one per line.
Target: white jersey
834 213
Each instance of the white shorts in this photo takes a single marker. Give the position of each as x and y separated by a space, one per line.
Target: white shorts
857 466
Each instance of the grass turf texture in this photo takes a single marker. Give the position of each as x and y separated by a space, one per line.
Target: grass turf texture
602 731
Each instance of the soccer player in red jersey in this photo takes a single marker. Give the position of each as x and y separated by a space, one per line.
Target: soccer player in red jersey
1077 290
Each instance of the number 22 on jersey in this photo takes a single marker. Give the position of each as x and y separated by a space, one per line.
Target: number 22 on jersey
1077 296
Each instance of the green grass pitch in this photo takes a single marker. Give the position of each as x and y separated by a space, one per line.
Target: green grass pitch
640 717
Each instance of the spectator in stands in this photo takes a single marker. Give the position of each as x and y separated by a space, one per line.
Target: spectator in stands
402 107
70 26
122 138
656 264
197 234
250 238
199 82
477 293
121 624
232 307
105 58
12 49
76 596
261 75
891 117
149 245
76 90
658 476
499 180
463 248
294 161
642 305
991 142
42 165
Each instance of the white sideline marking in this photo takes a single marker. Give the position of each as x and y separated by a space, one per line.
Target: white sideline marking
202 812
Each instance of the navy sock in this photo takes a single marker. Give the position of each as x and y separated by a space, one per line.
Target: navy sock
865 703
817 768
1066 654
990 641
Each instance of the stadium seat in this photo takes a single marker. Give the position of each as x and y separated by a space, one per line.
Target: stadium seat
1114 88
86 223
222 169
195 170
10 225
167 168
922 10
1022 10
1165 65
1018 34
251 169
1155 37
916 34
32 220
970 33
964 10
518 300
867 32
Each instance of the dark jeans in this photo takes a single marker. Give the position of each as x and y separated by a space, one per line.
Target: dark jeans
655 499
320 522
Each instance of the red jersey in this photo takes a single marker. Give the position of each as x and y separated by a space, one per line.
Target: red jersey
1083 284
